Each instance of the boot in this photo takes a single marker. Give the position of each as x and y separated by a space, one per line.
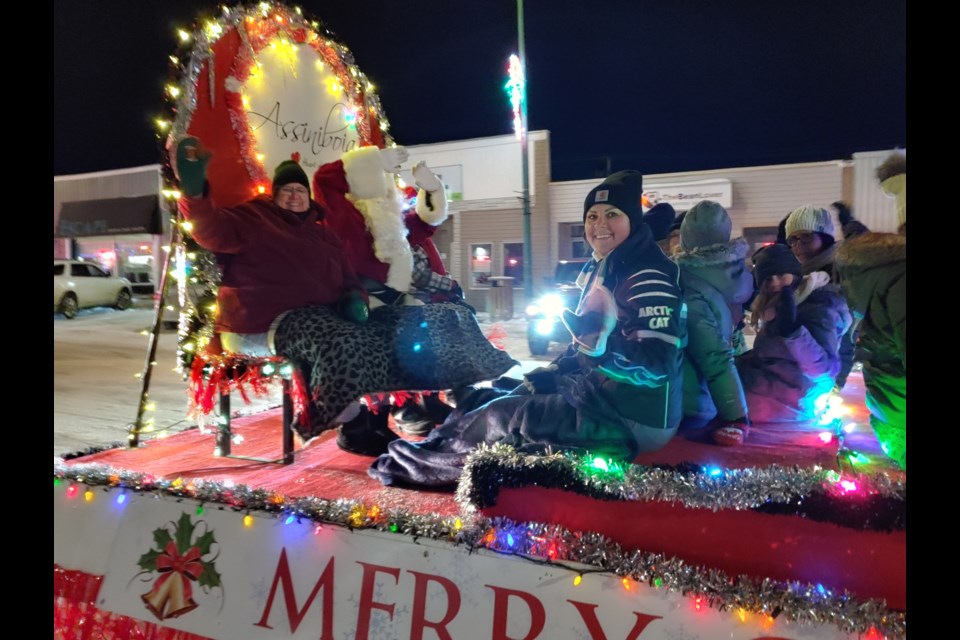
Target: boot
418 417
367 434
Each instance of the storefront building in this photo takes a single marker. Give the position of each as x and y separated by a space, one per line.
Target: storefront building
482 240
115 219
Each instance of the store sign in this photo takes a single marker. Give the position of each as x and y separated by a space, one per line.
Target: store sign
212 575
683 195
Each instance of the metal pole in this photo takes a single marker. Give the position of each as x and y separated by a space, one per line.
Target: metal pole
133 437
527 249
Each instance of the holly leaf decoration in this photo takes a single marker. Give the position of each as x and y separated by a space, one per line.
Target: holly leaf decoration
148 561
204 542
160 538
184 533
209 577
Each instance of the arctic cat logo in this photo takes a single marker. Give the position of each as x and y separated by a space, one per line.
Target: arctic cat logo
659 310
659 316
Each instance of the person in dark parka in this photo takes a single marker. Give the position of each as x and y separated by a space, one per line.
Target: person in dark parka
799 322
716 283
873 271
616 391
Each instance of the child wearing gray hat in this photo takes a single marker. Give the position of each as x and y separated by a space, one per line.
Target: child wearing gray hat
715 283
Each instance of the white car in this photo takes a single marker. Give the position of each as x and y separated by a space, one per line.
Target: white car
78 284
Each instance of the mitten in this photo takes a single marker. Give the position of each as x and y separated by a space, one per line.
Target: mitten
786 321
354 308
843 212
542 380
425 178
730 433
392 157
191 166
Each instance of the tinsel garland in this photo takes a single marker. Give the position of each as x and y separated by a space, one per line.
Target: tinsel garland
879 502
77 617
805 604
256 26
214 375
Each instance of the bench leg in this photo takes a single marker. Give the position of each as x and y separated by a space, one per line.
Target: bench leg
223 427
287 424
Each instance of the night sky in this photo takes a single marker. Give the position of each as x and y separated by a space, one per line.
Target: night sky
658 86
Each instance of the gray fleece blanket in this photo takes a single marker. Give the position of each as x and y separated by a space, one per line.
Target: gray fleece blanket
577 417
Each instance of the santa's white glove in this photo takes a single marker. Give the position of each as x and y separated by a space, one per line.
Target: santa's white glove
392 157
425 178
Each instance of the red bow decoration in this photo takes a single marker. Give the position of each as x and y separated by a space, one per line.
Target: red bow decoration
170 596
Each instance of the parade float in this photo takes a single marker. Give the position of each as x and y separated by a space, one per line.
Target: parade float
799 534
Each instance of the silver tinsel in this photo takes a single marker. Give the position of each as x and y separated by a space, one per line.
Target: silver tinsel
727 489
538 543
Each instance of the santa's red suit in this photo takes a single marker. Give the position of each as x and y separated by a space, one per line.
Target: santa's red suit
365 209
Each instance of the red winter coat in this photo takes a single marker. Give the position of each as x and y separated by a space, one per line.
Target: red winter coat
330 188
272 261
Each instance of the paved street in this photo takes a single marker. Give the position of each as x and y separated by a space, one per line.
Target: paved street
98 356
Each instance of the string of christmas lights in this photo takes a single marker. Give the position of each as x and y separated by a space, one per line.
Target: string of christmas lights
262 25
805 604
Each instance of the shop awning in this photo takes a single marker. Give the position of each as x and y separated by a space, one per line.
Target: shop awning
107 217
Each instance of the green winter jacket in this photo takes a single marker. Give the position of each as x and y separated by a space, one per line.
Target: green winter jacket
872 269
714 279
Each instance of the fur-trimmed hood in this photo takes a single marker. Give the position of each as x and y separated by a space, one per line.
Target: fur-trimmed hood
870 262
721 266
872 250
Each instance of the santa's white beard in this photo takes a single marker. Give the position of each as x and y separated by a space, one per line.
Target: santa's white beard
384 218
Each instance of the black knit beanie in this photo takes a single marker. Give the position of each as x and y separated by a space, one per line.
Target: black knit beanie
660 217
289 171
774 260
623 190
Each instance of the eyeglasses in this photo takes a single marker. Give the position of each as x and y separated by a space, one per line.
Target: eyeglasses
806 239
294 191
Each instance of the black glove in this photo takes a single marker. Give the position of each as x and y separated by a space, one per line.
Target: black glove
843 212
786 321
353 308
542 380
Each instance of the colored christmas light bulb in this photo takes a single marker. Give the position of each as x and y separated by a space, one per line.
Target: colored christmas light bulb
72 491
88 495
289 520
200 510
248 520
577 580
121 498
825 436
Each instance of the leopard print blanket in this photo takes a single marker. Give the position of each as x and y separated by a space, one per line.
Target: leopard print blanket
431 347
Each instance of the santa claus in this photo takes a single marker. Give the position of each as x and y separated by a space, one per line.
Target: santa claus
390 250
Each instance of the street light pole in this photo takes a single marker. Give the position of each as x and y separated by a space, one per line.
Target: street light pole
527 251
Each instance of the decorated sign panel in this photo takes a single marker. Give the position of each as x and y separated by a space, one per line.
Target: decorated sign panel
223 574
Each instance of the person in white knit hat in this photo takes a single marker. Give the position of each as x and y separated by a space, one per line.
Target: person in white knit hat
811 236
